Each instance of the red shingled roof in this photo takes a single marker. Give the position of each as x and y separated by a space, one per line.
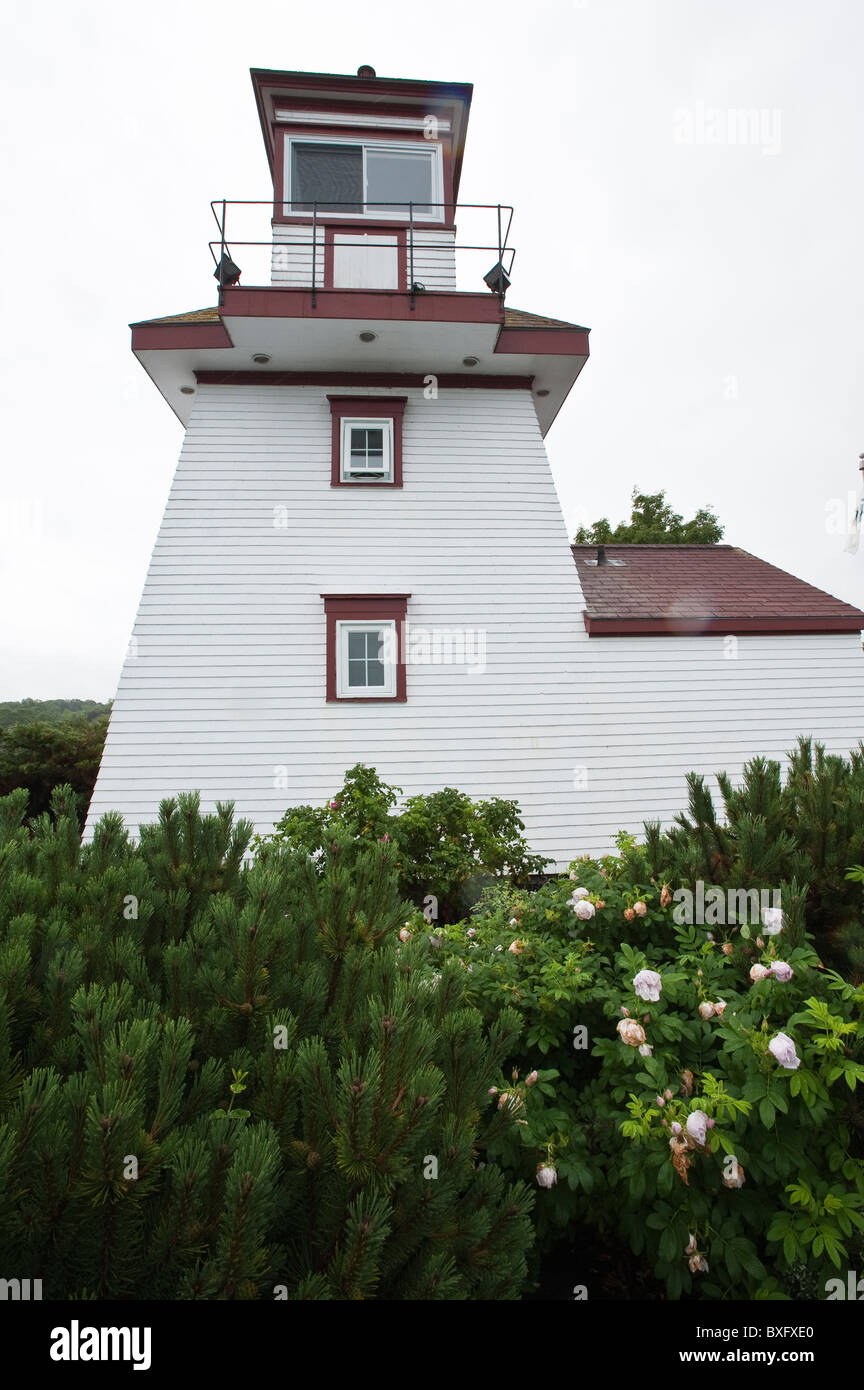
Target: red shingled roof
678 589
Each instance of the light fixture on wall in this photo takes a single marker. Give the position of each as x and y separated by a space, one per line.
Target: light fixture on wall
470 361
367 336
261 358
544 391
187 390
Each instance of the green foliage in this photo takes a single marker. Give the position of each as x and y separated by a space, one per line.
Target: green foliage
48 711
445 844
42 756
808 827
233 1081
652 521
776 1184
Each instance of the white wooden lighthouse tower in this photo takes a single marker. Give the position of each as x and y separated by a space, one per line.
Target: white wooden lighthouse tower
363 557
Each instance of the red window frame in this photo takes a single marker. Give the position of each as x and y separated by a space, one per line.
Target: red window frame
366 407
365 608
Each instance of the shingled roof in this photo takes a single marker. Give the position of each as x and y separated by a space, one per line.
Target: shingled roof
672 590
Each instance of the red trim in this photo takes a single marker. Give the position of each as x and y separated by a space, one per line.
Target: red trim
179 335
436 306
446 381
357 608
556 342
729 627
376 407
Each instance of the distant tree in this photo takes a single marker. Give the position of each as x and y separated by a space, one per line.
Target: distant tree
652 521
47 711
41 756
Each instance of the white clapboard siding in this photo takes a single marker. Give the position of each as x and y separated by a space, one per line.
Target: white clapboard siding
291 257
435 259
291 260
223 689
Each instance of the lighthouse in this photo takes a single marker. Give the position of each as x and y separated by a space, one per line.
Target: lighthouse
362 557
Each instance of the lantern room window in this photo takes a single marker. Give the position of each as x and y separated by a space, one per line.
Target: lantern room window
376 179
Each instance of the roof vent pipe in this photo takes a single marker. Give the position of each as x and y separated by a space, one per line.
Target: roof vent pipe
601 555
365 71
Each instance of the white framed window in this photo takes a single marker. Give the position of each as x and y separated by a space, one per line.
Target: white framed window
374 179
366 659
366 451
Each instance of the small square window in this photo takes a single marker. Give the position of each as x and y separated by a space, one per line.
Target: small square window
367 441
367 451
366 660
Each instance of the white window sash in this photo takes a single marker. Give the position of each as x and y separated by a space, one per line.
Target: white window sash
369 422
386 628
431 149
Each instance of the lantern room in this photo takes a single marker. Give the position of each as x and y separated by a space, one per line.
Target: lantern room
365 179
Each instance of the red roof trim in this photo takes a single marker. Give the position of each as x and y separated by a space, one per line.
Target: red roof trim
730 627
452 380
176 336
554 342
441 306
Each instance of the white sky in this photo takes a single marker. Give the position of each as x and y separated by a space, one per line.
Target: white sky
722 282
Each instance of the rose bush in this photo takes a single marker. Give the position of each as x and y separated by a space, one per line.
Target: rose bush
697 1090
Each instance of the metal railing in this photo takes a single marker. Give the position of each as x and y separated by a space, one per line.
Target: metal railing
324 216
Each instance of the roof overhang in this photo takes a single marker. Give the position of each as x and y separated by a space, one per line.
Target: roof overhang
317 337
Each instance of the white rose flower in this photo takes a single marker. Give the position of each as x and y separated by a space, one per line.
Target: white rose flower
697 1126
584 910
648 985
579 893
782 1048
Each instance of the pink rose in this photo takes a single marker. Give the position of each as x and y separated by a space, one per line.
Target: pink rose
648 985
782 971
758 972
531 1078
782 1048
697 1126
706 1010
579 893
584 910
646 1050
640 908
404 934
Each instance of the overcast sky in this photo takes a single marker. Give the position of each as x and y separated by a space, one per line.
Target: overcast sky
721 278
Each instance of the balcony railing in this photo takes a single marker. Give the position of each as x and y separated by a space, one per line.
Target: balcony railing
303 245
